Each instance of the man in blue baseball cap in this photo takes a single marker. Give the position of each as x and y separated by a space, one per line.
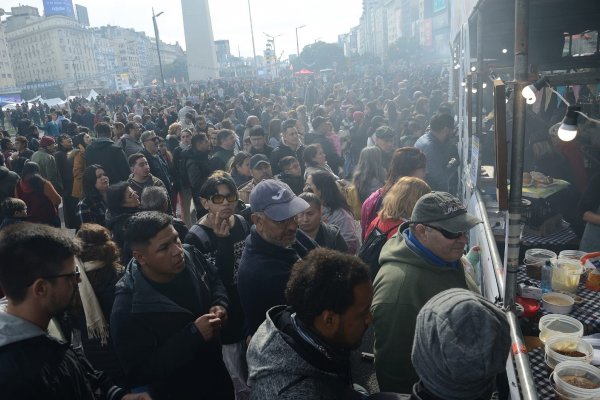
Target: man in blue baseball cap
275 243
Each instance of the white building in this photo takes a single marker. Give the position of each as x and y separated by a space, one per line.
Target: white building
7 79
199 40
55 49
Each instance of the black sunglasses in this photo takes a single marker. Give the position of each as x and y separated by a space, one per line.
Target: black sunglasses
448 234
76 274
220 198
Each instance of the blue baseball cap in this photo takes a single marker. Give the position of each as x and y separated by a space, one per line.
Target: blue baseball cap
276 200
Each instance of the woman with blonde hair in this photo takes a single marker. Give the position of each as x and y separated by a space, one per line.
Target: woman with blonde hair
398 205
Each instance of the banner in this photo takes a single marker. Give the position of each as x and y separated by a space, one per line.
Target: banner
58 7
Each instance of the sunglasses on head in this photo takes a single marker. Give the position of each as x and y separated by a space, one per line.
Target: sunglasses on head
220 198
448 234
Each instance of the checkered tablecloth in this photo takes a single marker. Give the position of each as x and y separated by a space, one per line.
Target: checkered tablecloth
541 375
561 237
588 312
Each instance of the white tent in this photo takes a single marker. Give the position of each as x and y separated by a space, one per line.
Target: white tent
92 95
9 106
36 98
55 101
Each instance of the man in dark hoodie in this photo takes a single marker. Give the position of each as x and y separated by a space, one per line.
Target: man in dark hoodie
224 150
103 151
169 309
328 296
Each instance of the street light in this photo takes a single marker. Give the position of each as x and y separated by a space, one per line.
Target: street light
252 33
297 45
75 76
154 16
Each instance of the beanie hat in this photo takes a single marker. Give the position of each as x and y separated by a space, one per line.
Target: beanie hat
462 342
46 141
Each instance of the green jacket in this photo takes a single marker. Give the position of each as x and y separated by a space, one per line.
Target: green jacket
403 285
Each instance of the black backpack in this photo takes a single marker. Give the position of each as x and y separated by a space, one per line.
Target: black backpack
371 248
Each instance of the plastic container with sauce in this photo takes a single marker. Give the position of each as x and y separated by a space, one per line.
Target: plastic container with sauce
576 380
557 325
559 349
535 259
566 275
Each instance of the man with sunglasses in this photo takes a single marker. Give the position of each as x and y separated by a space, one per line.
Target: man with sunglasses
40 285
275 243
422 260
441 153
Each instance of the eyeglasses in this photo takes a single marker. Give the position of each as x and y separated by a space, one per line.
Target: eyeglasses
76 274
220 198
447 234
286 222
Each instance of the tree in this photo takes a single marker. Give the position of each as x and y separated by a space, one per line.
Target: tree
321 55
177 69
405 48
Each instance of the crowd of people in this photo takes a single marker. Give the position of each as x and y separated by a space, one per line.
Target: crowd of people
217 234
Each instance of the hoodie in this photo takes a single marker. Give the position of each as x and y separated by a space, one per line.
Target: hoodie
405 282
310 369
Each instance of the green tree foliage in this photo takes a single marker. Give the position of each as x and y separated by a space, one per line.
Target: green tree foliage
321 55
177 69
405 48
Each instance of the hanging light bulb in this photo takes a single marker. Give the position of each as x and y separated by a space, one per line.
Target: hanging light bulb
463 83
484 85
568 129
504 51
474 90
473 68
529 91
456 66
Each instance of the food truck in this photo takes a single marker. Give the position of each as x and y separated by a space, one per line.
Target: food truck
525 79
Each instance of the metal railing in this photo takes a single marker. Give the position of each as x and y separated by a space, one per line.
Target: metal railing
518 350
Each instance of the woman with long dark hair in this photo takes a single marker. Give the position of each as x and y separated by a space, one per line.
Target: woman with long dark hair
40 196
406 161
239 168
316 160
121 203
336 210
92 206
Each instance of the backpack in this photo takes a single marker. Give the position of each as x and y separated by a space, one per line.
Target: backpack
371 248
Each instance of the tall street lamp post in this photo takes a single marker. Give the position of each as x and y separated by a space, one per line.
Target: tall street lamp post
297 44
272 40
154 16
252 34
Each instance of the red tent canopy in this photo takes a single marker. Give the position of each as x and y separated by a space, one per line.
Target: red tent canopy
304 71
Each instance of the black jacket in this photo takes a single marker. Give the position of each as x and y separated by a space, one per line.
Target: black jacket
283 151
198 167
35 366
160 169
158 343
103 151
329 236
263 274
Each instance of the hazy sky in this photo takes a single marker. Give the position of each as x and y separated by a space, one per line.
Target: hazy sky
324 20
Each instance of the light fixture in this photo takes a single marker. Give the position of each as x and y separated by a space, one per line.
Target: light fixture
474 90
456 66
529 91
484 85
568 129
504 51
463 83
473 68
